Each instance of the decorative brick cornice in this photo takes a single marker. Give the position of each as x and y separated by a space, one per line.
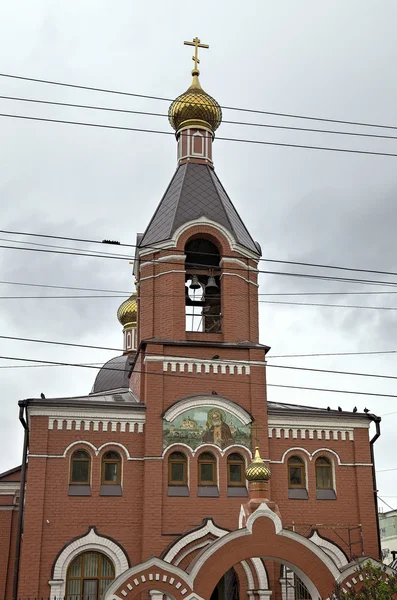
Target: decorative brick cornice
69 418
325 428
178 364
8 488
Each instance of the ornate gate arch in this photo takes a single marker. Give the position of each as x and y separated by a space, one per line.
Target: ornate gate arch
263 536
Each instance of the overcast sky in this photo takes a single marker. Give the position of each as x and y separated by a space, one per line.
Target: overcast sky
328 59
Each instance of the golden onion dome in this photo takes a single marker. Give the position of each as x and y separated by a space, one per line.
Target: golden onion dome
195 108
127 312
257 470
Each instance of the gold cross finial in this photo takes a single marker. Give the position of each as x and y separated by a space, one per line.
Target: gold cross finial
195 58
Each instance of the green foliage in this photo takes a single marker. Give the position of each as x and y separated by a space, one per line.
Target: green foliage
376 584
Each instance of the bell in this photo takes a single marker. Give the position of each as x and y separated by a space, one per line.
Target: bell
211 284
195 284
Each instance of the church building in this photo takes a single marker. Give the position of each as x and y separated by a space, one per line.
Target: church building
175 478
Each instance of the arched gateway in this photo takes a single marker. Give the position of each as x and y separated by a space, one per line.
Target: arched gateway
263 535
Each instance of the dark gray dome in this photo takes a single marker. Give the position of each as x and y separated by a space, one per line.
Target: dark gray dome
113 375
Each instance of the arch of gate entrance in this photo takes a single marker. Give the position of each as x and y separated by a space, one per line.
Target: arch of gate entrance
263 536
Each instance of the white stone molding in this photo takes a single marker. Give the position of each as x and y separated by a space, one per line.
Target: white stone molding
211 400
207 446
331 549
312 455
175 577
289 427
8 488
352 569
160 274
89 542
81 419
265 511
238 262
240 277
208 528
260 573
169 257
180 364
248 574
173 242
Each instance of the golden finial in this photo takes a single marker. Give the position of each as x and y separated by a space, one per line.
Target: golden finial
257 470
195 58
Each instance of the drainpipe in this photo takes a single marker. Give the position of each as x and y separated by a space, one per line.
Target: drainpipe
22 406
377 421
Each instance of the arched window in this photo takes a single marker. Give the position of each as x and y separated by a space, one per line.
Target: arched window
207 469
203 286
88 577
235 470
80 468
177 469
324 474
111 469
296 472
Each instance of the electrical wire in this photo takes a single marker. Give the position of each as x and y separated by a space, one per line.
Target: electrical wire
148 353
280 273
182 252
209 379
284 303
111 293
154 114
221 138
161 98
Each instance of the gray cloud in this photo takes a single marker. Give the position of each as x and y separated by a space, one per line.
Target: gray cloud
336 61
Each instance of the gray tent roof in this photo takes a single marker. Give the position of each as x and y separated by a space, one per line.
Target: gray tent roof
113 375
195 191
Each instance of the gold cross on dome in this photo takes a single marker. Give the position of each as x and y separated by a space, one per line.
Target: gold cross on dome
254 430
197 45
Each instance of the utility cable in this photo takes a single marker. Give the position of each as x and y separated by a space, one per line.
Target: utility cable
127 293
284 303
221 138
161 98
209 379
92 347
182 252
281 273
165 115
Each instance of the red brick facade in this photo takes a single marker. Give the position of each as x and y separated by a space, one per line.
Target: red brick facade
174 367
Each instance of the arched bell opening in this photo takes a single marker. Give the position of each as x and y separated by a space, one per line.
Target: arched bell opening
203 286
228 587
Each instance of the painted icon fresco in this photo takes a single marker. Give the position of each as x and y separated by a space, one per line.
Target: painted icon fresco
206 425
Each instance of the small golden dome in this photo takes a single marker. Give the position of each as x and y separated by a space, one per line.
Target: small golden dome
195 108
127 312
257 470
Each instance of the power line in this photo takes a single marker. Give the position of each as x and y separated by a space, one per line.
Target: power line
334 372
272 260
68 287
388 505
224 139
161 98
306 304
154 114
384 470
92 347
211 379
128 292
280 273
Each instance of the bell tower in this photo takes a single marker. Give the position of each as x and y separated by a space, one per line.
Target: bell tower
196 263
196 271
